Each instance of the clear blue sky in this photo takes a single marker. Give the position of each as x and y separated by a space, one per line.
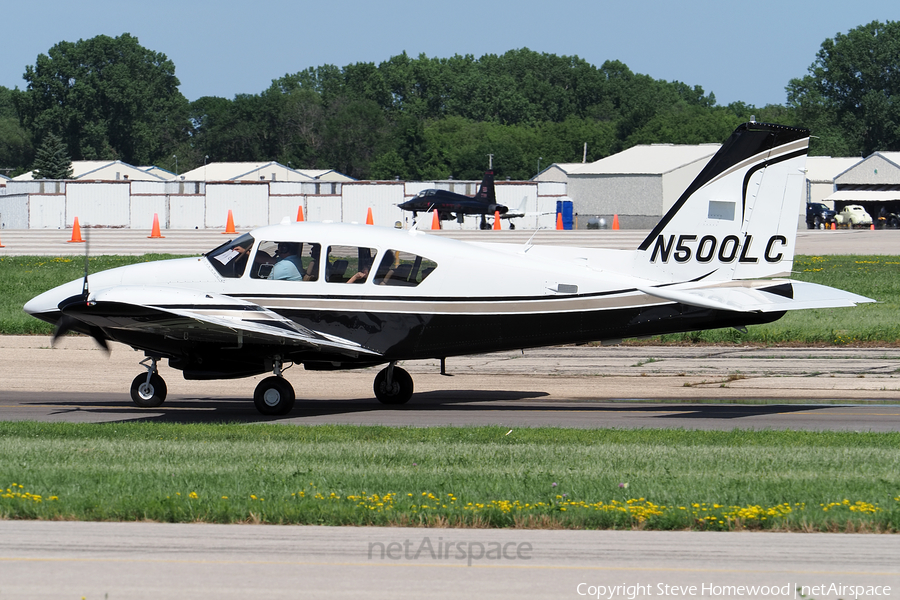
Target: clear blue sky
739 51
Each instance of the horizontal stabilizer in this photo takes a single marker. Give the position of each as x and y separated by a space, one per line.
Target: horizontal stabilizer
759 296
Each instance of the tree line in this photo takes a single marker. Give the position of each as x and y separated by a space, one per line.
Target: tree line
426 118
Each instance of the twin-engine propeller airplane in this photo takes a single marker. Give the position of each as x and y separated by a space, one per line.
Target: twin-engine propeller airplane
451 205
340 296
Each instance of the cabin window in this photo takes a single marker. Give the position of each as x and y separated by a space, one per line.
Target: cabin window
349 264
403 269
230 259
286 261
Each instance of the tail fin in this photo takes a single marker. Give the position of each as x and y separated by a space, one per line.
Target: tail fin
738 218
485 191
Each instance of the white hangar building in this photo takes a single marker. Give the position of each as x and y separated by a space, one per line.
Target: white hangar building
250 171
104 170
821 172
638 184
873 182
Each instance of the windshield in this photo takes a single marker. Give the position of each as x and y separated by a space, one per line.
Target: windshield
230 259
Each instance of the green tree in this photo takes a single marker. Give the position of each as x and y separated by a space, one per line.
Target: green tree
16 149
107 98
52 160
851 96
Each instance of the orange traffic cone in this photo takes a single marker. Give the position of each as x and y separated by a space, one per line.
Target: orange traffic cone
615 224
559 223
300 214
229 224
872 227
369 219
833 226
435 220
76 232
155 233
497 220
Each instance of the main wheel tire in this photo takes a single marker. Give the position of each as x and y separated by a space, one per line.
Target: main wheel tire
274 396
400 390
148 394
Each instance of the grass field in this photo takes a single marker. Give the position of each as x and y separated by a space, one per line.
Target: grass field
24 277
464 477
877 277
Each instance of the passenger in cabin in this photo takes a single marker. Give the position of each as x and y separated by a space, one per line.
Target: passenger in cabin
362 274
385 269
312 270
289 266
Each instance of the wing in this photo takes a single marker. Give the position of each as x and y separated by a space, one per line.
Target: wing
757 295
198 316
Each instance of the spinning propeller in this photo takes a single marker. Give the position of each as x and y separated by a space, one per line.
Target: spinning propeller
67 322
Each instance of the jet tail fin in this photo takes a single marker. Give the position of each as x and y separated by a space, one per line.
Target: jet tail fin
486 189
738 218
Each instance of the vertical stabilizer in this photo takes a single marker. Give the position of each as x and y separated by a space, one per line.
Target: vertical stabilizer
485 191
738 218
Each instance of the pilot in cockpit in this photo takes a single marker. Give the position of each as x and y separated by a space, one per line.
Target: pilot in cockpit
289 265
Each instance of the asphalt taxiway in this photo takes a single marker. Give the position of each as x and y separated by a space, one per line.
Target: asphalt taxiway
577 386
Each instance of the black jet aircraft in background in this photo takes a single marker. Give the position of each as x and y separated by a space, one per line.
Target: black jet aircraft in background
451 205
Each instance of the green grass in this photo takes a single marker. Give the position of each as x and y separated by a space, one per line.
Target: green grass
475 477
24 277
876 277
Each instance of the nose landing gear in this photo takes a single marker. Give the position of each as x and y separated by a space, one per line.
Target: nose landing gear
148 391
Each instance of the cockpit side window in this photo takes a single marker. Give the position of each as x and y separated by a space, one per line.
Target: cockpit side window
349 264
403 269
289 261
230 259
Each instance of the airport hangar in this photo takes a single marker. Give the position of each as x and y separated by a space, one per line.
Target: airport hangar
638 185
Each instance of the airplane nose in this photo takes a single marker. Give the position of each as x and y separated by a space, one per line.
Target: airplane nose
47 304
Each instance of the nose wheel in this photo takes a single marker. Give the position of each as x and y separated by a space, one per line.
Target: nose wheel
148 390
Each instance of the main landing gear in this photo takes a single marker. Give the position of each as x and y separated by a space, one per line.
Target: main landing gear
274 395
148 391
393 385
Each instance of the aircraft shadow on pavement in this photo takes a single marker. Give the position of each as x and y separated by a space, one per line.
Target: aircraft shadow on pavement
237 410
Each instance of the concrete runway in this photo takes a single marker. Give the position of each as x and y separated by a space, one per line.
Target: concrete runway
117 561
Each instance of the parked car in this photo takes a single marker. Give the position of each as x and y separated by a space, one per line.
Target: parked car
854 215
818 215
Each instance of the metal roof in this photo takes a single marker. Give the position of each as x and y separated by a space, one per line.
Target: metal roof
826 168
242 171
655 159
864 196
94 169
